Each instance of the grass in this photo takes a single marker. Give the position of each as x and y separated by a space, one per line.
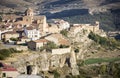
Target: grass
100 60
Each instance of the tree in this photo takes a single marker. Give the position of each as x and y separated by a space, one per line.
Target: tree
64 32
14 39
105 42
49 46
103 69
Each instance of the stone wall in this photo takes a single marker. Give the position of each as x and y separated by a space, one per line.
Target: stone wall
20 48
61 51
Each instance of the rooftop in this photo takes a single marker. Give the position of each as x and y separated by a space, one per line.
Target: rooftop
5 67
41 40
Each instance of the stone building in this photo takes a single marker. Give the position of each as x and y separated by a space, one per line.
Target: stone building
58 39
37 44
88 27
40 20
8 71
8 35
32 33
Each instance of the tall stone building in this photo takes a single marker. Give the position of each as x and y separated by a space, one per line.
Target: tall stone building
29 12
28 16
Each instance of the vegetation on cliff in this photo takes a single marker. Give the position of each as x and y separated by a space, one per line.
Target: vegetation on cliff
4 53
105 42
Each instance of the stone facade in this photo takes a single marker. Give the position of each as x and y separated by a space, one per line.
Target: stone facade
45 61
9 74
7 35
37 44
58 39
61 51
8 71
94 28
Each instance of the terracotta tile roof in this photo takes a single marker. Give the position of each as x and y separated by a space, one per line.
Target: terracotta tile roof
64 42
22 23
61 39
58 36
10 17
5 67
30 28
41 40
24 37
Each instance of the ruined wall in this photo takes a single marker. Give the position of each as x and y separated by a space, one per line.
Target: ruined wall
61 51
40 62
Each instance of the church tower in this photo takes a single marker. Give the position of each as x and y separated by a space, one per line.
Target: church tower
29 12
28 16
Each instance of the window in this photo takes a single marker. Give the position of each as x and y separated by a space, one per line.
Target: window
26 19
35 35
4 75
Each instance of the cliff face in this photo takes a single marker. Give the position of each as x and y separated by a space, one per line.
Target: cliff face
44 62
36 62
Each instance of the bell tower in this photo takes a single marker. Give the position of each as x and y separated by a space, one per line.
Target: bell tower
28 16
29 12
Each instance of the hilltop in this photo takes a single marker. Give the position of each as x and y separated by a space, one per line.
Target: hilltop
60 5
83 11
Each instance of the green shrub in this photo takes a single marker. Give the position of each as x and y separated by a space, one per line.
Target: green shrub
56 74
2 57
105 42
4 53
14 39
64 32
63 46
49 46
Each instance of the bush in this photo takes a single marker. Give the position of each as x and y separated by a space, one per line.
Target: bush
64 32
4 53
63 46
105 42
49 46
2 57
14 39
56 74
103 69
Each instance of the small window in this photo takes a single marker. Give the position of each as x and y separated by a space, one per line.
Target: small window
4 75
26 19
36 36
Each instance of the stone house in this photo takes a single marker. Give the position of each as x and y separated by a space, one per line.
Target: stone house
8 71
31 19
89 27
37 44
58 39
10 34
23 40
11 18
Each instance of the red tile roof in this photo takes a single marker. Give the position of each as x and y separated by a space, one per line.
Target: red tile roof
41 40
5 67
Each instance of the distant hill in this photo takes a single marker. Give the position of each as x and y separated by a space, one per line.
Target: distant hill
105 11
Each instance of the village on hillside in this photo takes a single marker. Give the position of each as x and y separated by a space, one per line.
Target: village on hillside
32 32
